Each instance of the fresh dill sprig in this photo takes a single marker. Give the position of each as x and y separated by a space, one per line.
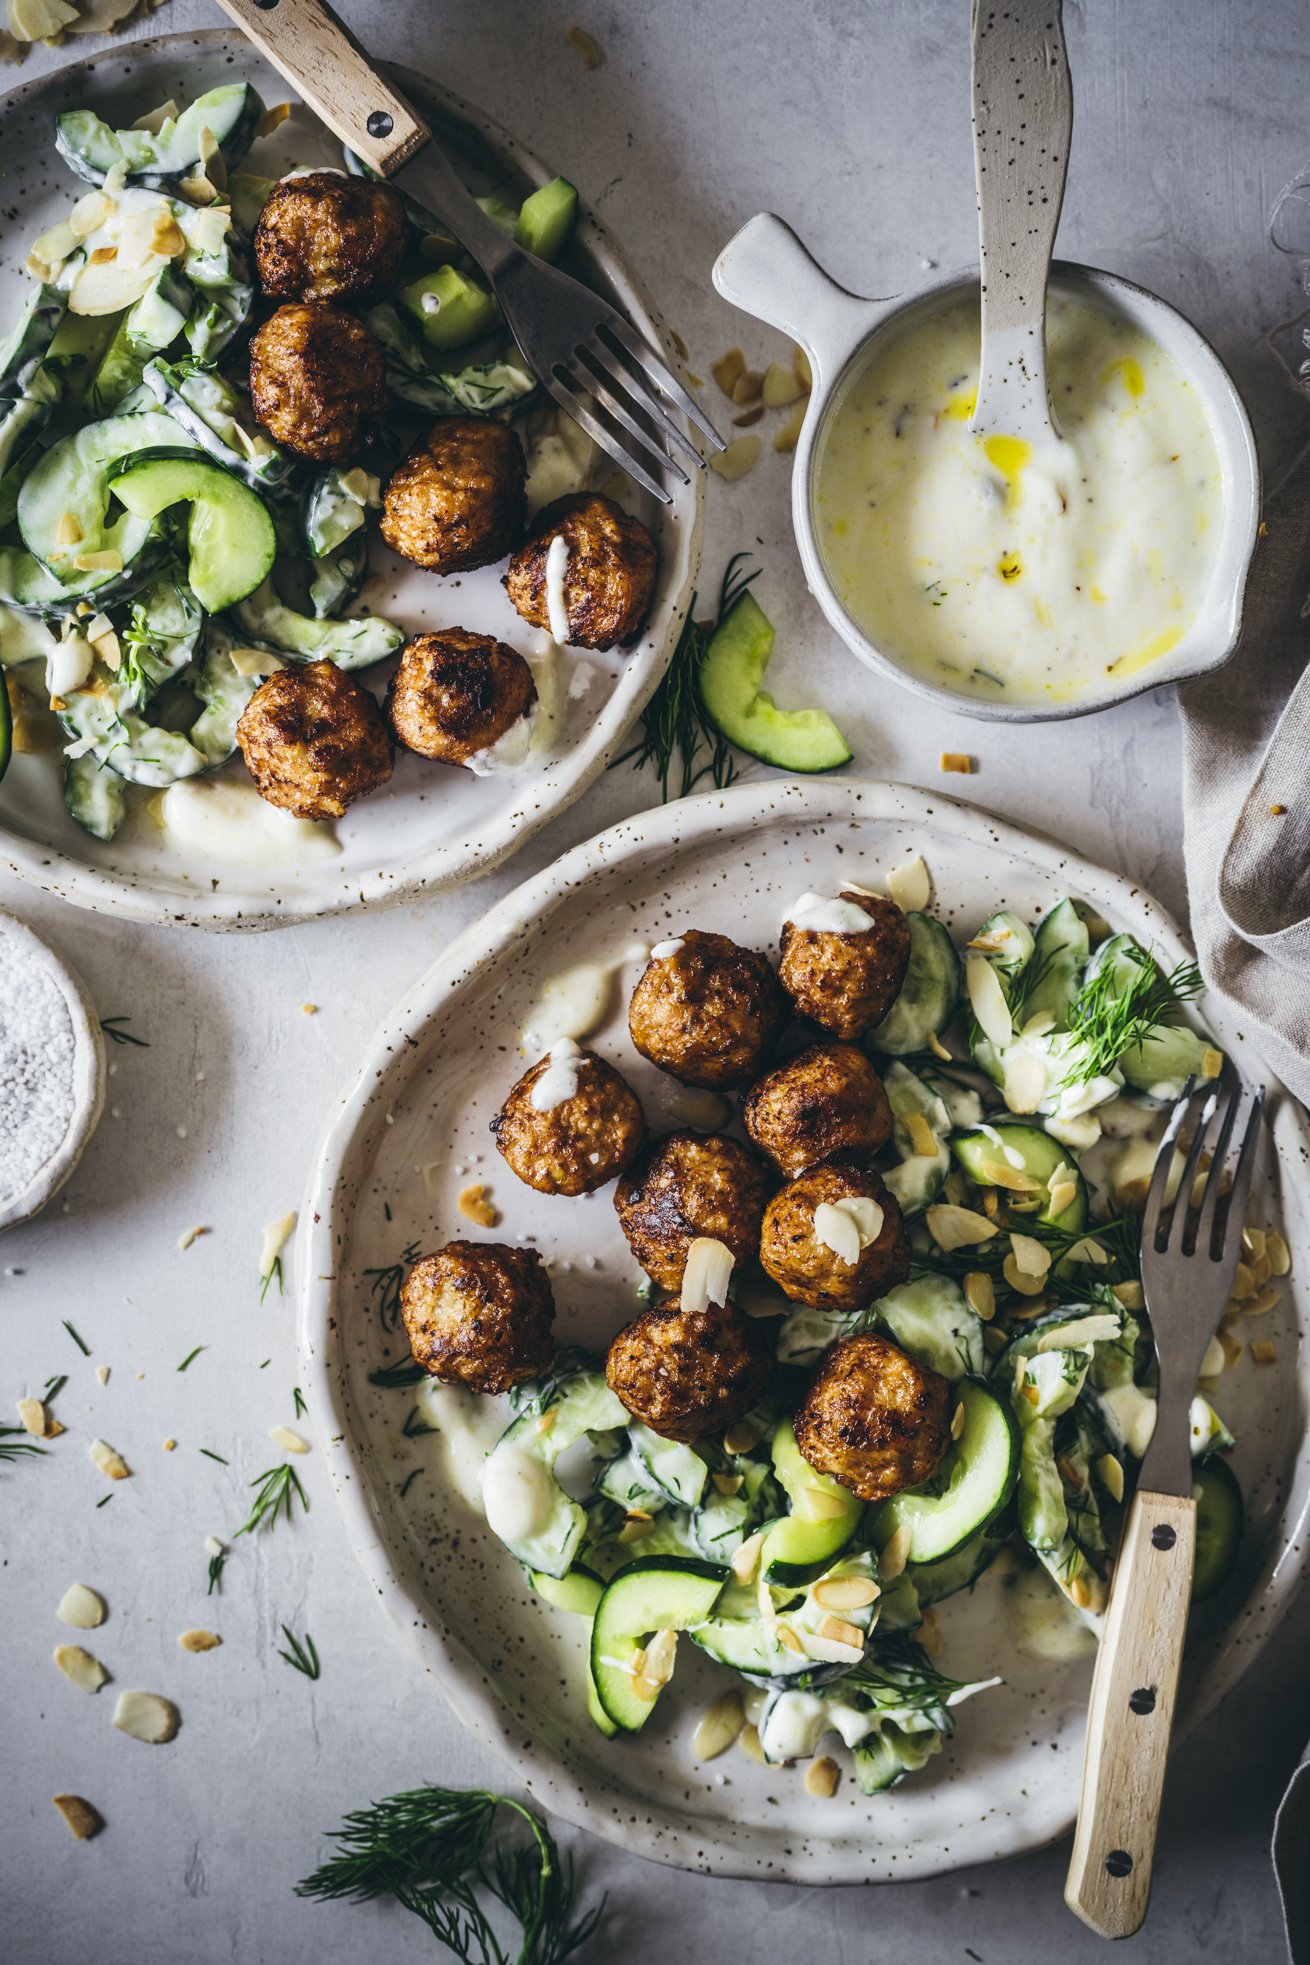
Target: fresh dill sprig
409 1480
273 1275
189 1356
298 1401
104 1503
112 1027
386 1285
278 1491
393 1377
301 1657
416 1424
85 1349
210 1455
1110 1015
436 1851
54 1386
216 1565
15 1441
676 733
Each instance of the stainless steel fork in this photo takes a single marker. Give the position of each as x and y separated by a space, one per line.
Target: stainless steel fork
590 359
1191 1240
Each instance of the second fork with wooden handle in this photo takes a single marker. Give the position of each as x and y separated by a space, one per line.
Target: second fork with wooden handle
582 351
1191 1241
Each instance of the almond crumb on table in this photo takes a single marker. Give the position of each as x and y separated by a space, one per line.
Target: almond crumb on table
958 761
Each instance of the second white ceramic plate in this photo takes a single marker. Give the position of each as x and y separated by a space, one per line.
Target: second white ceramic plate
412 1133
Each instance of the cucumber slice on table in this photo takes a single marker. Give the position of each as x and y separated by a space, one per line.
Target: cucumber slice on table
350 644
547 218
731 676
975 1481
655 1593
928 996
230 537
823 1520
63 507
1219 1514
450 308
1026 1152
92 148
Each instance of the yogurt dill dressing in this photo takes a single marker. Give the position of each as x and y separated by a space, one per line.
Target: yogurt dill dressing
1001 572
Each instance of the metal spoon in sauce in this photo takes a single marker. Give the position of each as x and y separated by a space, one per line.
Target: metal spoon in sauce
1022 122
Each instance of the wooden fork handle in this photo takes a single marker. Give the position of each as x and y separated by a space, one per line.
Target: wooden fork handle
325 64
1130 1716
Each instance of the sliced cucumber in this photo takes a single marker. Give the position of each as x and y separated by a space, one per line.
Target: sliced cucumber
143 753
209 411
31 588
337 577
928 996
723 1521
160 638
450 308
224 690
1060 952
31 386
63 506
546 221
674 1470
230 538
1007 943
732 672
930 1319
938 1580
579 1592
95 796
920 1177
823 1520
350 644
92 149
790 1647
147 328
483 389
1219 1513
975 1482
526 1506
1025 1151
249 195
336 505
660 1593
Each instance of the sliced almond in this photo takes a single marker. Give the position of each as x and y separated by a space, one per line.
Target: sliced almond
741 1437
789 1640
109 1460
1063 1195
1021 1279
1280 1256
747 388
1243 1283
845 1592
83 1820
987 1000
33 1415
1212 1359
980 1293
994 1338
1031 1255
822 1776
719 1727
1265 1301
146 1717
1129 1294
838 1631
741 456
108 647
895 1555
957 761
272 118
582 43
909 885
788 435
1026 1079
958 1418
1001 1174
938 1049
727 1483
154 119
804 373
68 532
1111 1474
284 1437
706 1277
661 1655
749 1742
957 1228
747 1558
635 1529
728 370
90 213
81 1607
781 386
1264 1352
80 1668
199 1640
109 560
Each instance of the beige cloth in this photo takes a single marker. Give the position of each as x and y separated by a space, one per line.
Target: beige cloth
1246 798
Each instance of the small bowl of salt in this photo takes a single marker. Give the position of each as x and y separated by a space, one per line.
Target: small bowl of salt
52 1071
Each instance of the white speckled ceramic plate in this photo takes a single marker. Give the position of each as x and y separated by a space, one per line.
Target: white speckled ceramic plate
412 1131
433 826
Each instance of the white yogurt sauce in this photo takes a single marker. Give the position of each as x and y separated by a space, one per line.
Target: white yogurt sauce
559 1081
518 1494
232 822
1000 571
824 916
508 752
1043 1624
557 567
663 950
574 1002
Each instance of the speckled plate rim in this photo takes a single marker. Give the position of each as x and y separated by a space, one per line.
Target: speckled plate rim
646 1829
88 1075
563 780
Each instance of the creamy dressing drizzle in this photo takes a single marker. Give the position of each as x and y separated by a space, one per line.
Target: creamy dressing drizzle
574 1002
232 822
821 915
559 1081
557 566
663 950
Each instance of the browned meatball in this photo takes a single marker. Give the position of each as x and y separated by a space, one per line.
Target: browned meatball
455 694
707 1012
687 1374
827 1102
847 983
317 382
328 237
688 1184
479 1314
609 577
314 741
873 1419
457 501
806 1267
588 1127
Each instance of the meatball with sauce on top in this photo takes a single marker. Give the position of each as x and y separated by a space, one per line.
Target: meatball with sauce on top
457 501
686 1185
324 236
833 1238
706 1011
606 572
456 695
317 382
827 1102
844 977
570 1124
873 1419
479 1315
314 741
687 1374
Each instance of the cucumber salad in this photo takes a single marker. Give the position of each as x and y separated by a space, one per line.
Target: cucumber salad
160 555
1029 1074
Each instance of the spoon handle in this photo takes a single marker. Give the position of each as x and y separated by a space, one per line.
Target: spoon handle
1022 122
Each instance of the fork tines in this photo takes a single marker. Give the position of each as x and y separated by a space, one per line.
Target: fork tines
1221 1127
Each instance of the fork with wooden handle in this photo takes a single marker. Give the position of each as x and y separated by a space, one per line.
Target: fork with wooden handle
589 358
1191 1240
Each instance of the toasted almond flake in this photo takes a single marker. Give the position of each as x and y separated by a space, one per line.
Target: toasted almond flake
929 1633
957 1421
727 1483
1243 1283
1081 1592
103 256
272 119
39 20
1030 1255
839 1227
749 1742
33 1415
108 647
1253 1241
102 1373
1212 1359
980 1293
987 999
474 1205
957 1228
1111 1474
804 373
728 370
741 1437
957 761
146 1717
994 1338
1032 1395
1063 1196
749 418
746 389
747 1558
1001 1174
1280 1256
109 1460
1026 1078
1262 1271
661 1655
80 1668
1264 1351
741 456
1267 1300
789 1640
170 1446
845 1592
838 1631
635 1529
719 1727
81 1607
68 532
199 1640
83 1820
705 1276
583 44
106 561
1129 1294
1068 1472
991 1206
90 213
1212 1062
788 435
895 1555
909 885
191 1235
154 119
1232 1349
922 1137
822 1776
284 1437
781 386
